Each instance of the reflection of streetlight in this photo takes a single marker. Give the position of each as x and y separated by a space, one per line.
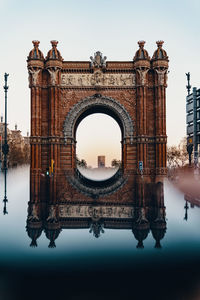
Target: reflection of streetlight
1 137
186 209
5 147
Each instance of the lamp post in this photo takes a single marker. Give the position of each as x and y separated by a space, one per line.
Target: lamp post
188 86
5 147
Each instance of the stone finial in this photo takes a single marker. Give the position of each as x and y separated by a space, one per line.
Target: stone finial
54 43
35 53
36 43
54 53
141 54
160 53
141 44
159 44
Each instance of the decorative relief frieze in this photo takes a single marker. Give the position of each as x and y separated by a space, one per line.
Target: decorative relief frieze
95 212
97 79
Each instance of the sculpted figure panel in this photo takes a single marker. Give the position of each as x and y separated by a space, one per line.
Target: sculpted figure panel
34 73
97 79
53 74
161 76
96 212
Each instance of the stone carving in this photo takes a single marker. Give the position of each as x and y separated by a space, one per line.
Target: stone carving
96 228
117 108
142 218
52 214
95 212
34 77
97 79
53 74
161 76
142 72
33 214
98 61
160 216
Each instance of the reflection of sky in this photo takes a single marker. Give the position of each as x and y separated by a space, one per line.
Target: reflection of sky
79 244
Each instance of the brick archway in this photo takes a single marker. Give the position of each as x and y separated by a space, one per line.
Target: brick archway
64 92
98 103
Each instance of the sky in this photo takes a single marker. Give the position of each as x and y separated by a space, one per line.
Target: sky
111 26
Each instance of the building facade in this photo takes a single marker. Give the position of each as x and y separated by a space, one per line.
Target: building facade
63 93
101 161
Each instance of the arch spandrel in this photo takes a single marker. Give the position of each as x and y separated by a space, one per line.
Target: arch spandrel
116 108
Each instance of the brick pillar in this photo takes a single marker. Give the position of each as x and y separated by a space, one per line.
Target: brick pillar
160 116
160 66
54 135
142 122
35 140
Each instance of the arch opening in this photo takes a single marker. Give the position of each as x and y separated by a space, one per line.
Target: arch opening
98 148
82 109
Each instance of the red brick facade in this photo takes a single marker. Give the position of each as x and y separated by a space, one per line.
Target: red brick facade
64 92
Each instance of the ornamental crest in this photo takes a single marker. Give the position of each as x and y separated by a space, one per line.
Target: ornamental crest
98 60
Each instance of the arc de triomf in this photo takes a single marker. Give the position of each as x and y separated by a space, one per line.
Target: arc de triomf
63 93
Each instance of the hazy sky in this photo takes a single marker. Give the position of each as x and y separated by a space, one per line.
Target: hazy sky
112 26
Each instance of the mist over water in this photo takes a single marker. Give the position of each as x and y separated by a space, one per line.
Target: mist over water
98 174
110 267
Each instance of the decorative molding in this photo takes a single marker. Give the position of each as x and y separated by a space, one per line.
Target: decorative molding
98 100
53 74
52 214
142 72
33 76
97 79
98 61
162 76
33 214
95 212
94 192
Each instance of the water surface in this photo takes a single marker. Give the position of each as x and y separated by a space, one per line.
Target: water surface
99 264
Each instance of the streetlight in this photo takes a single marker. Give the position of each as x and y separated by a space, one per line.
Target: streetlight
5 147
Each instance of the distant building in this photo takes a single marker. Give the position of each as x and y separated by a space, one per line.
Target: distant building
2 134
101 161
19 146
193 121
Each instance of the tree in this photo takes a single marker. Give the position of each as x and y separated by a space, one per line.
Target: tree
15 156
18 155
81 163
177 156
116 163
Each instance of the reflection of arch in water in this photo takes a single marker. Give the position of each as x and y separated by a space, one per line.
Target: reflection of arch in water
145 215
98 104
